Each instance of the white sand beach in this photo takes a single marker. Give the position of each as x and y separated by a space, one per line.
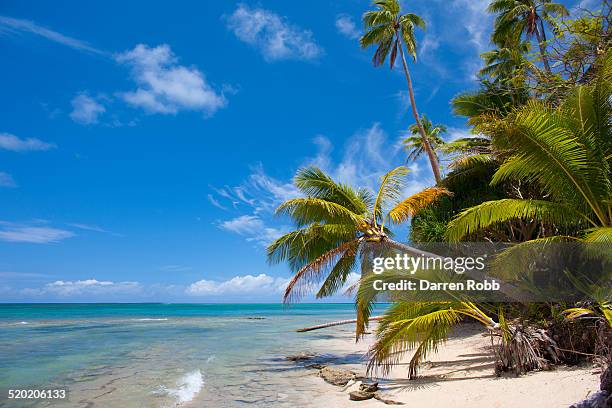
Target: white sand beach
461 374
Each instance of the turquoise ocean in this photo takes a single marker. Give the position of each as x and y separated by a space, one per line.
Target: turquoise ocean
160 355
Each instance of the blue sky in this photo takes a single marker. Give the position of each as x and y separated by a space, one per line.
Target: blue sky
143 147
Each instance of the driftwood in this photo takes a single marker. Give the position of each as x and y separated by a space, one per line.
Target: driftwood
331 324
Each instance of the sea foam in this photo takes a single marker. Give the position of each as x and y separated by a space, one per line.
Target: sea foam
188 386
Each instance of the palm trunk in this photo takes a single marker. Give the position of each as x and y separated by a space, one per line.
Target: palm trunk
433 160
332 324
541 37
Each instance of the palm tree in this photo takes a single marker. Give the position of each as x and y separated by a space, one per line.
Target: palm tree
414 144
504 62
567 152
525 17
339 226
390 31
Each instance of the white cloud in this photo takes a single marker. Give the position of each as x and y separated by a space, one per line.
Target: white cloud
347 27
253 228
15 144
475 18
85 109
274 36
166 87
215 202
248 284
85 287
15 26
35 234
453 134
260 192
365 158
6 180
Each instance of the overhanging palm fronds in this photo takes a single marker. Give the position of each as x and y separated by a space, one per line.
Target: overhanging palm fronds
564 152
418 327
339 228
490 213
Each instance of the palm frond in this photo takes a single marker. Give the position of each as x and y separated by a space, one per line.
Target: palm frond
304 245
308 210
424 331
494 212
390 189
601 235
338 275
415 203
547 152
312 273
313 182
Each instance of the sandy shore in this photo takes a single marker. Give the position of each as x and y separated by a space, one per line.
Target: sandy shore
459 375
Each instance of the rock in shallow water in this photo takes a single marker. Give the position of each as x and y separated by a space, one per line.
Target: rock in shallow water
300 357
336 376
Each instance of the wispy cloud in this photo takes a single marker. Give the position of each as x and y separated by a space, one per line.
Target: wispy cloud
6 180
32 233
176 268
166 87
347 27
273 35
253 229
215 202
21 275
457 31
93 228
260 192
16 144
366 156
85 287
85 109
360 162
9 25
261 284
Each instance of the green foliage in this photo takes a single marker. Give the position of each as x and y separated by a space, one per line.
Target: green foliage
414 144
337 226
564 151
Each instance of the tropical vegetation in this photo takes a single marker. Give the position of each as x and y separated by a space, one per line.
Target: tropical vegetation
537 170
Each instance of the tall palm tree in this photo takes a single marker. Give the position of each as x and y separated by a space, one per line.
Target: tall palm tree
525 17
414 144
567 152
339 226
390 31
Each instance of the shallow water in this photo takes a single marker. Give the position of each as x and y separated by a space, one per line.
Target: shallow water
160 355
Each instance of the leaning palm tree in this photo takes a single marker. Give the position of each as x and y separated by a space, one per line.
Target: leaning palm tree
390 31
414 144
525 17
340 228
567 152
